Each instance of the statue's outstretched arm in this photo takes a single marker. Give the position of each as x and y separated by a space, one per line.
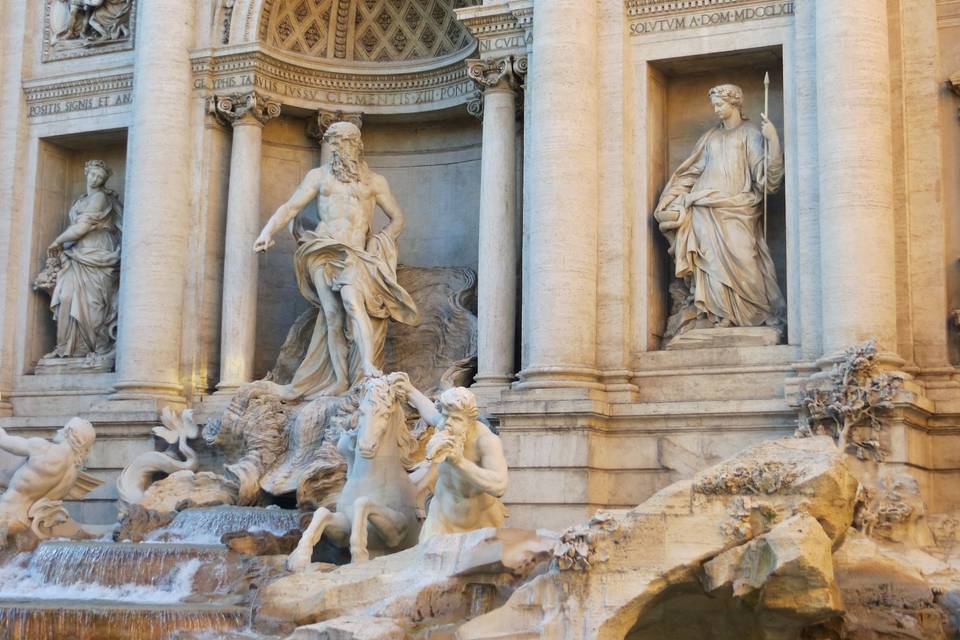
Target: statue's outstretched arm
304 194
14 444
390 207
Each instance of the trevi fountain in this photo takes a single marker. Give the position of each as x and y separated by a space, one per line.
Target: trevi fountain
477 319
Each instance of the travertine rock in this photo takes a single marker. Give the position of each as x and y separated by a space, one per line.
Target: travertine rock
788 570
655 551
261 543
203 488
137 522
884 596
448 579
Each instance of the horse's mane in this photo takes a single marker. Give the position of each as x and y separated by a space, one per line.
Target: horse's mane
383 393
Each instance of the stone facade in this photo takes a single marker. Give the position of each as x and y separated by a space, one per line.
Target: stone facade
529 141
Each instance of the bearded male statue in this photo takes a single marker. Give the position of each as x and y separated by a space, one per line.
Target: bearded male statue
343 268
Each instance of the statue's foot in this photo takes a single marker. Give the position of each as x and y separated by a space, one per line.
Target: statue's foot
358 554
298 560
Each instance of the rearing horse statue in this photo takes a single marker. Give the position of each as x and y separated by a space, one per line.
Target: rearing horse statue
377 509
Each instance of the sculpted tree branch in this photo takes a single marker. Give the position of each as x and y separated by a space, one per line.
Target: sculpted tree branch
856 394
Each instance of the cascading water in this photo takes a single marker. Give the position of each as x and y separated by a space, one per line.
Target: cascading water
183 580
207 525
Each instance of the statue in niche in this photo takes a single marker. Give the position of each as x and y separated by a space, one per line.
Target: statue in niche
82 276
343 268
466 472
91 22
711 213
34 490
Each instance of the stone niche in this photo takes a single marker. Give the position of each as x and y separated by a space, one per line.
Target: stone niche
433 168
680 112
60 180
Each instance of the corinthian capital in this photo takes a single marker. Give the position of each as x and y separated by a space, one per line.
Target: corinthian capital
236 108
318 125
501 73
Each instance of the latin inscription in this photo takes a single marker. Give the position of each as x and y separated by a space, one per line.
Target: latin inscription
711 19
507 43
80 104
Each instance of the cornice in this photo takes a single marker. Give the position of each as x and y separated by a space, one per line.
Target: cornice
315 84
64 94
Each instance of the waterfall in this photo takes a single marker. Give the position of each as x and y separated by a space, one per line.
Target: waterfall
206 525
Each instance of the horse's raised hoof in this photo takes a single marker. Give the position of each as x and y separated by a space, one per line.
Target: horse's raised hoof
359 555
298 561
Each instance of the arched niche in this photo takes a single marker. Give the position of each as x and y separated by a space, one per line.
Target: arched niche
399 63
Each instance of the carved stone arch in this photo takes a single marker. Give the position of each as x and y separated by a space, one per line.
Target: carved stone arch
246 18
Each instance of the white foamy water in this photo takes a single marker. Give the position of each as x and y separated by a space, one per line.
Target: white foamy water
206 525
19 581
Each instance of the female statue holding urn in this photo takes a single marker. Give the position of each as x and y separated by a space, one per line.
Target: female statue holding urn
711 212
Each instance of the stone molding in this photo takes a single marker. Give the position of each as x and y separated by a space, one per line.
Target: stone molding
505 73
317 125
954 82
500 29
51 53
241 108
648 17
312 84
56 96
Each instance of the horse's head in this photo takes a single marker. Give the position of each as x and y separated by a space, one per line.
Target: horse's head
381 417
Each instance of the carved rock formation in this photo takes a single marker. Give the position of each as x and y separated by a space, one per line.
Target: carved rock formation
743 549
446 580
767 518
199 489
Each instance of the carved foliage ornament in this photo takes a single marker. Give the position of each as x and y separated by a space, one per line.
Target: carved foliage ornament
232 109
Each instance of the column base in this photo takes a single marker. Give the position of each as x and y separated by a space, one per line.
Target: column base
144 396
559 377
226 388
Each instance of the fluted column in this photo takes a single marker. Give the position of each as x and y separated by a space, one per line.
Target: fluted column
158 205
499 82
857 253
238 325
560 231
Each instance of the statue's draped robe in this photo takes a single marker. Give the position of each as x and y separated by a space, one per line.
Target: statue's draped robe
719 248
110 19
322 259
84 301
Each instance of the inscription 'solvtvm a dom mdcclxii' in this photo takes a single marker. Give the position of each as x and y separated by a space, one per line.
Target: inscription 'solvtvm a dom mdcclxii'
315 311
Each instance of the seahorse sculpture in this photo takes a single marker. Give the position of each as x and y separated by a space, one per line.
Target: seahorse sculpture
177 430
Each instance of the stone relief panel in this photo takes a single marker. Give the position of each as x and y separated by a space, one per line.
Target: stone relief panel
75 28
